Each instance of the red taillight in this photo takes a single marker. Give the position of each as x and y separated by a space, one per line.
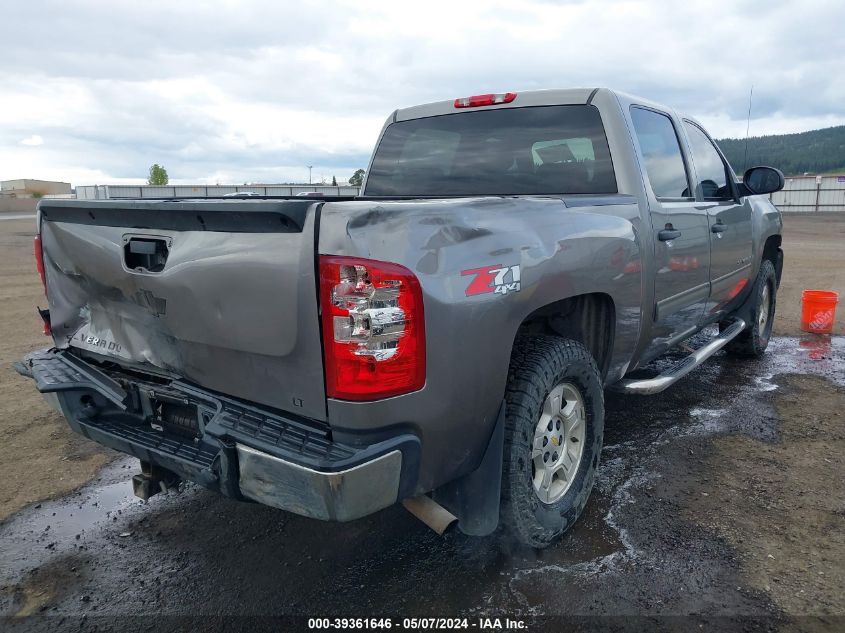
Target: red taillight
485 100
39 261
373 328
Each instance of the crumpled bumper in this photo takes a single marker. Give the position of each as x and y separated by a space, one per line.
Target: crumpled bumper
242 451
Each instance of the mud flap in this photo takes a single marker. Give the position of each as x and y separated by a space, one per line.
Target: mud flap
475 497
226 466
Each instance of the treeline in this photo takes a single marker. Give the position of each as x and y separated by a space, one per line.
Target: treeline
814 152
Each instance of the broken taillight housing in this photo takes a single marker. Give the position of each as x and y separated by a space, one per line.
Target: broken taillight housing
373 328
39 266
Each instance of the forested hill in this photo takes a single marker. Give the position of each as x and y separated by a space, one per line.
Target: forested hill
815 152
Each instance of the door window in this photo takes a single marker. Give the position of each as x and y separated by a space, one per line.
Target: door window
711 170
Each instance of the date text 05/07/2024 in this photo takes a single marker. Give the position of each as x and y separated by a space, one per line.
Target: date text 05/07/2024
426 624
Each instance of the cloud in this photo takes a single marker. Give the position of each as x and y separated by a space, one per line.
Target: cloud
33 141
255 91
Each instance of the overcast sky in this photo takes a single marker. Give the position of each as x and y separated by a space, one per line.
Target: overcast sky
233 92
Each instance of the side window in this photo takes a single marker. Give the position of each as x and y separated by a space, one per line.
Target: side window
711 170
661 150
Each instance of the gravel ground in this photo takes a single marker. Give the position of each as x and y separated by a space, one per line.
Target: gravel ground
814 258
719 506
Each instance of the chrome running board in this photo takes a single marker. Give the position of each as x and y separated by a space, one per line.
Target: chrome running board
676 372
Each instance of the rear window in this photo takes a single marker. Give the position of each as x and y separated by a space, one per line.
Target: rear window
510 151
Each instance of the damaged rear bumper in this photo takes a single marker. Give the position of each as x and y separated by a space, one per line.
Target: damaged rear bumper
242 451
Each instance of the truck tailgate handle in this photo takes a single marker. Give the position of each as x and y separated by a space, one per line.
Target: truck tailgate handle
146 254
669 233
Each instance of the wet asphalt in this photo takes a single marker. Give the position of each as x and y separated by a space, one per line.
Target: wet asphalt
101 552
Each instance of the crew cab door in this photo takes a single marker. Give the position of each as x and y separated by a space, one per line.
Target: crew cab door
729 220
680 231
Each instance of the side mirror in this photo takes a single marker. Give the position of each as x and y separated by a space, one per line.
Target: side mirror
759 180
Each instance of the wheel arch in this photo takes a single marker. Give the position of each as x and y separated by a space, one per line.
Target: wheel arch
773 252
588 318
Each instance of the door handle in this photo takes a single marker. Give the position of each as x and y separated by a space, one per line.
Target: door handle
719 227
146 254
669 233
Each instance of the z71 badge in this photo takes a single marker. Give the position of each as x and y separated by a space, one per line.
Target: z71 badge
497 278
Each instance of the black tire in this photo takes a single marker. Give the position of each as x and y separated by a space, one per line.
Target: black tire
752 342
538 364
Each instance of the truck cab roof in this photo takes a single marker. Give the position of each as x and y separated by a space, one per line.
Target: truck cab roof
556 96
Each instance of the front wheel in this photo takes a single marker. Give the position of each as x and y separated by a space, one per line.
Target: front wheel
554 427
752 342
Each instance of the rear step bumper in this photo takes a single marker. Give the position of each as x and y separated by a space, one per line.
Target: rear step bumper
676 372
234 448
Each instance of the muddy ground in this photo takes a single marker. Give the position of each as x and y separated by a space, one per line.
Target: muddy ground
719 506
42 458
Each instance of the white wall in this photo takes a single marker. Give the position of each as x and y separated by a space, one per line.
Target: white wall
100 192
811 194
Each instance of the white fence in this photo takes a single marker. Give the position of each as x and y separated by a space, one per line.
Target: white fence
802 194
811 194
105 192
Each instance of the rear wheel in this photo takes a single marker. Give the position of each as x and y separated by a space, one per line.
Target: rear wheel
553 435
755 338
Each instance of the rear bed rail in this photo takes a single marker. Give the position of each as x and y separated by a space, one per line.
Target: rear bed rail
241 216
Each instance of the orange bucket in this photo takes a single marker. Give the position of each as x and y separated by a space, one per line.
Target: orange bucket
818 310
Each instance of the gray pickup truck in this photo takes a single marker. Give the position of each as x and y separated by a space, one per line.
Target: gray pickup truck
443 340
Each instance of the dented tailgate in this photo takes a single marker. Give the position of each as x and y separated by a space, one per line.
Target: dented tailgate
220 293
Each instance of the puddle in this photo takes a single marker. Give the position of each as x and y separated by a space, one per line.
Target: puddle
816 354
44 586
72 523
591 538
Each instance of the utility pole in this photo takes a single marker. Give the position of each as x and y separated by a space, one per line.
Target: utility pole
309 173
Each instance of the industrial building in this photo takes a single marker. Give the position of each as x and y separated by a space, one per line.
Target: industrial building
28 188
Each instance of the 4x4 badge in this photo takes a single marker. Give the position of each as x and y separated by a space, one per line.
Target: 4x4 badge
497 278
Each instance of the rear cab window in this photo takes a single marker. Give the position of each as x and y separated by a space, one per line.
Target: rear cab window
661 150
535 150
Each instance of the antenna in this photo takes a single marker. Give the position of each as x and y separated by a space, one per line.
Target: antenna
747 128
